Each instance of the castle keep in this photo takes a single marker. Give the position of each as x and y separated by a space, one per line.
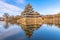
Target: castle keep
29 16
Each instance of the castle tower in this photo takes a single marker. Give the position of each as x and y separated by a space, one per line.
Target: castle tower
28 9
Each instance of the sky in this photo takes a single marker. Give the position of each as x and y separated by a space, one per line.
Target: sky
15 7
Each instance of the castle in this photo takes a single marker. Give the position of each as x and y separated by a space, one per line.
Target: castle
29 16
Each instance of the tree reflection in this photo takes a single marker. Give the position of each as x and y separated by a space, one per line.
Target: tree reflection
6 25
50 24
58 25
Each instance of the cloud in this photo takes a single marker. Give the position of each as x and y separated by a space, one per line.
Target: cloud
12 30
8 8
50 11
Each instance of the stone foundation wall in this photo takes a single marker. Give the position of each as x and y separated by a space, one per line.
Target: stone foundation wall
30 21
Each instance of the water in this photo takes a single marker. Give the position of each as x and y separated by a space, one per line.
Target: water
29 32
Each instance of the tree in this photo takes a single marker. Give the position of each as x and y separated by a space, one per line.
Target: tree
6 17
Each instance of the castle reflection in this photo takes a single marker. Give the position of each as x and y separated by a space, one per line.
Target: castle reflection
28 29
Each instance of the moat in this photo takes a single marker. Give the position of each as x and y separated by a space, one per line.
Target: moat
29 32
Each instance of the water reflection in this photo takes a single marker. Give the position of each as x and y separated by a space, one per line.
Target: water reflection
6 25
28 29
35 31
57 25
